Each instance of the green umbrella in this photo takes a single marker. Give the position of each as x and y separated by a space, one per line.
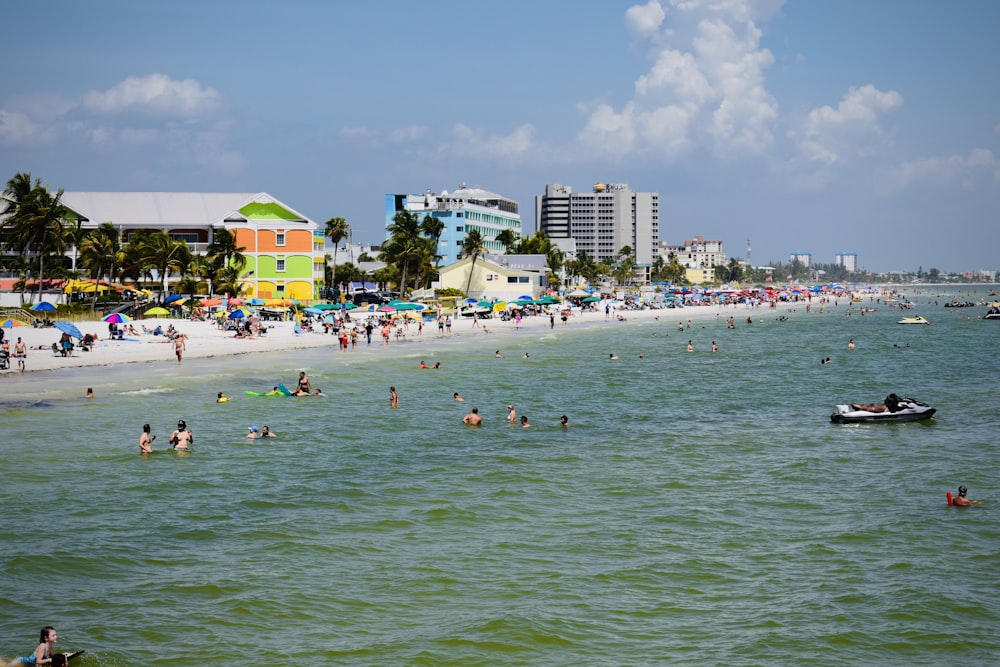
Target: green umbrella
157 311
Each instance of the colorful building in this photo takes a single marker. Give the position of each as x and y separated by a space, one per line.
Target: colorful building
284 249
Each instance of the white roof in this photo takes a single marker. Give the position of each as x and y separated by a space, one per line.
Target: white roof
162 209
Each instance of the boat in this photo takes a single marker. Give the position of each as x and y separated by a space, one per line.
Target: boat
993 313
917 319
909 409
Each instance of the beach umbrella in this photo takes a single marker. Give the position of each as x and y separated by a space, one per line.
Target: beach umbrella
157 311
237 314
172 297
347 305
313 311
68 328
387 309
211 302
592 299
402 305
499 306
43 306
10 324
118 318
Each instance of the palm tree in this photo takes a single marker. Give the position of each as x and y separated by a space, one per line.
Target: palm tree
337 230
165 255
404 244
222 252
101 253
508 238
34 220
625 271
473 246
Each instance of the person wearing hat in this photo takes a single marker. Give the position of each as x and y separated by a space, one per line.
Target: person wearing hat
182 438
961 500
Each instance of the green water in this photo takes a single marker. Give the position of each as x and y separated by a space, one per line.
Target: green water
702 509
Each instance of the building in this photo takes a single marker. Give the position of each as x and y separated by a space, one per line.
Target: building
603 221
498 277
848 260
696 253
283 248
803 258
460 211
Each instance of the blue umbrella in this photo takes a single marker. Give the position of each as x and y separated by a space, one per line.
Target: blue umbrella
313 311
256 302
172 297
237 314
44 305
68 328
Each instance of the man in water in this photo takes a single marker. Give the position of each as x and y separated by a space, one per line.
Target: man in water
182 438
457 397
564 421
473 418
961 500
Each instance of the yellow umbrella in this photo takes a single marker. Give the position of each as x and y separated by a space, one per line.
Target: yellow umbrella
499 306
157 311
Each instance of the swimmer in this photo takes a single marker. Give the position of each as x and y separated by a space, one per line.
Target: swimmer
511 414
524 422
393 398
473 418
146 440
962 501
613 356
43 653
221 398
422 364
690 347
497 354
457 397
318 392
182 438
850 344
564 421
715 348
90 393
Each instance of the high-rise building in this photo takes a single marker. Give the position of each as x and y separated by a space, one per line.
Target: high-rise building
603 221
803 258
848 260
460 211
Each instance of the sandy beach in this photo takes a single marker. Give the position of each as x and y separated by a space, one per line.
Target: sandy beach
205 339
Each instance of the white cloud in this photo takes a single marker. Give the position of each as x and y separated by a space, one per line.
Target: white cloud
980 168
644 20
468 142
406 135
18 128
705 86
154 93
854 128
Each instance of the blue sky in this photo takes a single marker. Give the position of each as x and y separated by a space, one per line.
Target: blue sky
818 126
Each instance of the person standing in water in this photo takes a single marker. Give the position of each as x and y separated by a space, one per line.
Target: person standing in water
393 398
182 438
146 441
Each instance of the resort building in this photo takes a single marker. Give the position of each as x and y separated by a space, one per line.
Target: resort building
460 211
603 221
848 260
284 249
696 253
803 258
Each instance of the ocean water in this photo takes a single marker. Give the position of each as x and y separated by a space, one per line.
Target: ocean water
701 510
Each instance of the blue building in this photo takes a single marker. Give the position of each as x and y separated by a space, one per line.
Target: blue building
460 211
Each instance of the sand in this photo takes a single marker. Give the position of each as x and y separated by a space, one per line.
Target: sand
205 339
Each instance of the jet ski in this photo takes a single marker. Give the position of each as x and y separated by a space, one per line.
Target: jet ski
907 409
919 319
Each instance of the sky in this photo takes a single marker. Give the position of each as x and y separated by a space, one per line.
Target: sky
818 126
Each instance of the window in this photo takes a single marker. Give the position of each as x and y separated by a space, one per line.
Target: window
489 277
279 265
279 238
460 229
